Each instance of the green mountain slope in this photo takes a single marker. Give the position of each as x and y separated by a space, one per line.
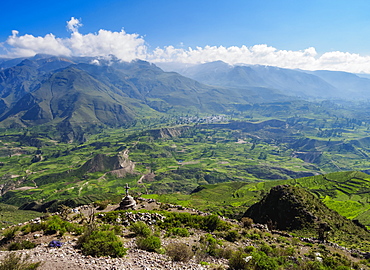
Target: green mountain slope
348 193
72 99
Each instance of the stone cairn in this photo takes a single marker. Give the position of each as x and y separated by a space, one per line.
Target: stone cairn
127 202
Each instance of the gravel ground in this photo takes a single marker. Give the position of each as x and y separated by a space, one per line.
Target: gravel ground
67 257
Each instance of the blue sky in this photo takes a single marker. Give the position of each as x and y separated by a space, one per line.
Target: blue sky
326 26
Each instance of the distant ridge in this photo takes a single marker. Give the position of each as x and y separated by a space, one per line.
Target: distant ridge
317 85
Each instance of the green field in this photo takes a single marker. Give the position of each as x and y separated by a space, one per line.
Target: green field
222 166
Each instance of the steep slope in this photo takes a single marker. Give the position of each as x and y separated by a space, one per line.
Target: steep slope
16 81
71 98
25 76
150 84
164 91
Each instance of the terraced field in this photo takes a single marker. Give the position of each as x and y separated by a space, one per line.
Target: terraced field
348 193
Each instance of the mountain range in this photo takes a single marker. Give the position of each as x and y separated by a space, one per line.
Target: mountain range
312 85
72 94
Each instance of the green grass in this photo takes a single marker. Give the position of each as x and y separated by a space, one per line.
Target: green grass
199 155
10 215
234 198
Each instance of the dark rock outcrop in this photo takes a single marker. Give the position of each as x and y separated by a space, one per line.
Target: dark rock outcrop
285 207
292 208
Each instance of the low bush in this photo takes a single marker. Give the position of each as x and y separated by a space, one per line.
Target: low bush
208 223
183 232
101 243
34 227
140 229
232 236
102 204
150 243
179 252
212 223
209 245
56 225
238 261
264 262
247 222
10 232
21 245
225 253
268 250
13 261
249 249
254 236
256 260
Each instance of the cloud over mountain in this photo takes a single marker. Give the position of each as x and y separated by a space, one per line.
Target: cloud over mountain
265 55
104 43
128 47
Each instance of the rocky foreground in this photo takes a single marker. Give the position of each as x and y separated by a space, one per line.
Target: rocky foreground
67 257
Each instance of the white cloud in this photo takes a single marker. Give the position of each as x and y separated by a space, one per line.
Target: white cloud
124 46
29 45
73 24
104 43
265 55
128 47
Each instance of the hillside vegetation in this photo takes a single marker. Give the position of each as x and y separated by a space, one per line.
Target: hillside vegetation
345 192
75 133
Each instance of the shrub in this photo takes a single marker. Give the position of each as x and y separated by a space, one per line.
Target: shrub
118 230
208 223
101 243
13 261
288 251
232 236
209 245
225 253
254 236
212 222
238 261
140 229
264 262
247 222
55 224
102 204
10 232
265 248
21 245
250 249
183 232
179 252
34 227
150 243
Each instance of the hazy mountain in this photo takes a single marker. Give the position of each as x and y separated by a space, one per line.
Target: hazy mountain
298 83
350 85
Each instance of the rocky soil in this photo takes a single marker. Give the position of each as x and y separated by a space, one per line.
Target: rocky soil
67 257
